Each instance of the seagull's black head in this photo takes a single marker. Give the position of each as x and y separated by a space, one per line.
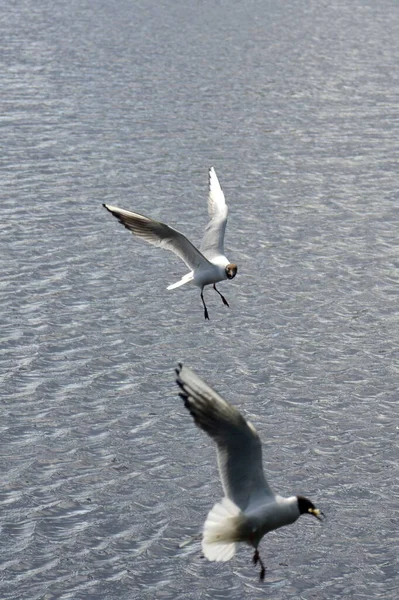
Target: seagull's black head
307 507
231 271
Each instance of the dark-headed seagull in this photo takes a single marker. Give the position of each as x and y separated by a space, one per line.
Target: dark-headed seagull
208 265
250 508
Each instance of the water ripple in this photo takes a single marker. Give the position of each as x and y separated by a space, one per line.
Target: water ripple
105 481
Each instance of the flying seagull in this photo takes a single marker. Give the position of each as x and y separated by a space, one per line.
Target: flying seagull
208 265
250 508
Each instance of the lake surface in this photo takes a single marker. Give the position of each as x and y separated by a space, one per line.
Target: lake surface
104 476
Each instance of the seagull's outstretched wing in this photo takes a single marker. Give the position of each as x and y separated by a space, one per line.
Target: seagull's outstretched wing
212 243
239 447
160 234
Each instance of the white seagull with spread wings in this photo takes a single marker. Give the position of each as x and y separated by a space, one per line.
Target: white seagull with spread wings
208 265
249 509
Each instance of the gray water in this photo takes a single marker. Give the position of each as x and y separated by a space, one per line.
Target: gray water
103 474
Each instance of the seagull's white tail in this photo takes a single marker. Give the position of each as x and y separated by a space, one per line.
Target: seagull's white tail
183 280
221 531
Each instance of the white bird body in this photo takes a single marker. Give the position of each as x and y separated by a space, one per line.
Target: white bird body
208 265
250 509
266 517
207 275
228 524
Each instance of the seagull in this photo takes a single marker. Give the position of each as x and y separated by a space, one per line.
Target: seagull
250 508
209 264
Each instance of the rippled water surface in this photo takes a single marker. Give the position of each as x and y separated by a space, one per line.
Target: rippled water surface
103 474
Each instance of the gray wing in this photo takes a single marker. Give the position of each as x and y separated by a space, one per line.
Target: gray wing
238 444
159 234
212 243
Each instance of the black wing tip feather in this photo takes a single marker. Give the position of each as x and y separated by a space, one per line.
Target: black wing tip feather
114 214
180 382
120 219
181 386
184 395
123 220
189 406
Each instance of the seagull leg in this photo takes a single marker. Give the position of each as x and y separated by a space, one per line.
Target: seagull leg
205 308
221 295
257 559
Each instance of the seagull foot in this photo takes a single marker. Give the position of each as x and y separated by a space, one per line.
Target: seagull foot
224 301
257 559
204 305
221 295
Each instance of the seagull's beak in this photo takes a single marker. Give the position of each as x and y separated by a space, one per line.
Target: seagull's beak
316 513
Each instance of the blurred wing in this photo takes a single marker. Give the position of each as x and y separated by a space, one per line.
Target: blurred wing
212 243
238 445
159 234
